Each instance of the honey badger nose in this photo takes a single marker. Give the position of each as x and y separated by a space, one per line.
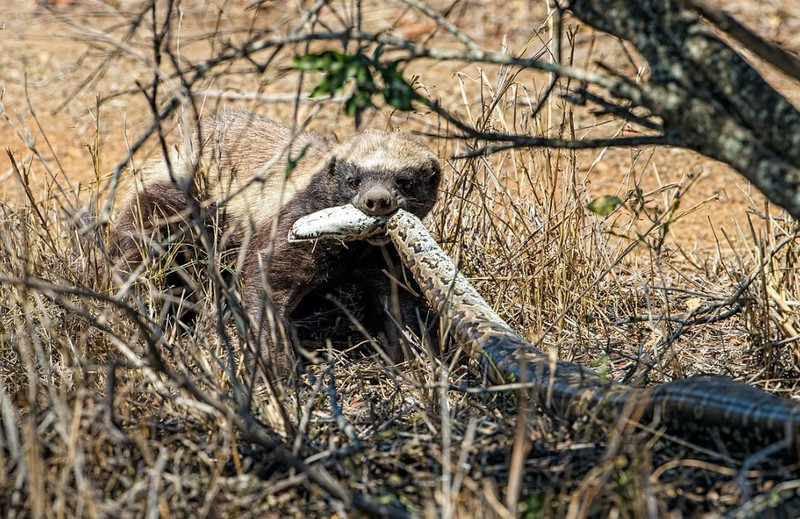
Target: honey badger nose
377 200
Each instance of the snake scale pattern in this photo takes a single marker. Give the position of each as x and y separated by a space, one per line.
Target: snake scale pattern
714 411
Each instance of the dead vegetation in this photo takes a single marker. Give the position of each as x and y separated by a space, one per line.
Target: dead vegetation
108 409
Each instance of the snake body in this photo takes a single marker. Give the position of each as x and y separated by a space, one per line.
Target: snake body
714 411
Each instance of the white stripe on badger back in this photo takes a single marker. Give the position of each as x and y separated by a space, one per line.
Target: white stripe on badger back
258 200
179 172
245 158
257 194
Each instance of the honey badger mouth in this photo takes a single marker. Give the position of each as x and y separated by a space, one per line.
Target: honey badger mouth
344 223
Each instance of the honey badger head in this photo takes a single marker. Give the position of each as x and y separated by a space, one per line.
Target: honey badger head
380 172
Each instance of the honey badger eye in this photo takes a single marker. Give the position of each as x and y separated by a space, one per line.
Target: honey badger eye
353 183
406 186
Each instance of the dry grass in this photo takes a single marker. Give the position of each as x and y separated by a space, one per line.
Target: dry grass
109 410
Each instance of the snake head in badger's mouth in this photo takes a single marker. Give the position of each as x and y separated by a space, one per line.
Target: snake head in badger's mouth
344 223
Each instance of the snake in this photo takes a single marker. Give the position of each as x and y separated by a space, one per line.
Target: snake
712 411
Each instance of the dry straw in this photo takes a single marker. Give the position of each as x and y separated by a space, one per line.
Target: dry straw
111 409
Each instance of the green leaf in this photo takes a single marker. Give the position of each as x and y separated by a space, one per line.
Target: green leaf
291 162
321 61
330 84
324 87
339 67
400 100
354 69
358 101
604 205
398 93
364 77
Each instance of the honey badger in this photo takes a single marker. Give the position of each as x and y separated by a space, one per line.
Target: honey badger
243 168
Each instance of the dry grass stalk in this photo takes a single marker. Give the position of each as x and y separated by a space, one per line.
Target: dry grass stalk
110 410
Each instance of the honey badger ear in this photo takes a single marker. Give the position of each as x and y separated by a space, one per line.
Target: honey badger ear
433 172
325 168
330 166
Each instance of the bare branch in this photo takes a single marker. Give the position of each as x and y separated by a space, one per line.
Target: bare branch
414 50
449 26
517 141
609 107
769 52
707 94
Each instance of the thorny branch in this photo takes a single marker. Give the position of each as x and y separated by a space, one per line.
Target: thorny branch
249 426
699 94
706 94
709 99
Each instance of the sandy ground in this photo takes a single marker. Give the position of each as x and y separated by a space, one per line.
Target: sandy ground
57 67
54 72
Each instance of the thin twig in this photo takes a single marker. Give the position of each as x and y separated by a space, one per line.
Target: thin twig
544 142
449 26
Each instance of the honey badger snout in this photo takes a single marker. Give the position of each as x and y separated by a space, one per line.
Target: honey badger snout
377 201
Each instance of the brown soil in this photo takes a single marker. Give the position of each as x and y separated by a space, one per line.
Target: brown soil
563 286
50 94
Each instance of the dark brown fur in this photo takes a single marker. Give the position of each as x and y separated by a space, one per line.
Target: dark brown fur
378 172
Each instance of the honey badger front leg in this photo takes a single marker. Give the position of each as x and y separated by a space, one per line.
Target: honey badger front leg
327 268
392 302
